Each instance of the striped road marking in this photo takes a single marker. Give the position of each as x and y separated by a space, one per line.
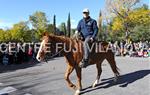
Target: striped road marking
1 84
7 90
28 94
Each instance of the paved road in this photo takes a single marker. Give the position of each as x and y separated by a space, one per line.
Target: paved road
48 78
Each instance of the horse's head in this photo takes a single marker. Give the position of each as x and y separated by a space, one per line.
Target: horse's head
43 47
55 45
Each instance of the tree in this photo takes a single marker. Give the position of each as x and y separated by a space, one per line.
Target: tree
2 33
115 36
39 23
69 25
138 18
39 20
65 30
54 24
101 32
121 9
140 33
7 36
20 32
51 28
62 28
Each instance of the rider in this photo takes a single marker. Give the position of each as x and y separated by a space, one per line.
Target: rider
87 27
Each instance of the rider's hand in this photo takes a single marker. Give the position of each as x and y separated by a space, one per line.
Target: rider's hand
91 39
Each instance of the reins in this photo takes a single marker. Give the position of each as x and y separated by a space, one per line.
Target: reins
52 56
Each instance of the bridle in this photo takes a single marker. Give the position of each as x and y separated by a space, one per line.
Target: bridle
52 56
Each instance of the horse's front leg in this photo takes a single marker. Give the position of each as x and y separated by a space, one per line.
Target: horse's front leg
79 77
99 71
67 74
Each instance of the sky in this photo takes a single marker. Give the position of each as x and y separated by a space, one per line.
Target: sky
14 11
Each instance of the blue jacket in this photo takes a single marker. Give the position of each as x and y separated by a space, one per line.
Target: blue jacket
88 27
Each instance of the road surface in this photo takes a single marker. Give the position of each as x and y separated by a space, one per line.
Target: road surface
48 78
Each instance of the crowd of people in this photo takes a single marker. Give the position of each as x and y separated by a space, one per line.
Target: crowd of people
8 58
132 49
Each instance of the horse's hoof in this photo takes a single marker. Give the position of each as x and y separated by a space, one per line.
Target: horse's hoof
77 92
115 80
95 83
73 87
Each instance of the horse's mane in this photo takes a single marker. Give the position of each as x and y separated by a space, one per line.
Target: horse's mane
65 39
62 38
74 42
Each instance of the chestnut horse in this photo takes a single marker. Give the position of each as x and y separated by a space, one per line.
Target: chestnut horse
74 58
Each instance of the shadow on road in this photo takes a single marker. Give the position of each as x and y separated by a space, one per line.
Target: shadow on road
10 68
123 81
14 67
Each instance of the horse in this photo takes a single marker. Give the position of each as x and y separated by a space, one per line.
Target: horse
74 56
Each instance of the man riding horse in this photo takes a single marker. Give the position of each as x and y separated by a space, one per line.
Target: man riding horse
87 27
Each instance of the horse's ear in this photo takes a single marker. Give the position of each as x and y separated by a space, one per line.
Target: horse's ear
45 34
46 38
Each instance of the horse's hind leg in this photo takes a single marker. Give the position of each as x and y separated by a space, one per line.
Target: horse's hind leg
67 74
99 71
111 59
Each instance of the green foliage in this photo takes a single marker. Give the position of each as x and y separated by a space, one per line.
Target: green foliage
137 22
39 23
69 26
39 20
136 17
54 24
7 36
2 35
139 17
118 24
115 36
62 28
51 28
73 32
141 33
20 32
